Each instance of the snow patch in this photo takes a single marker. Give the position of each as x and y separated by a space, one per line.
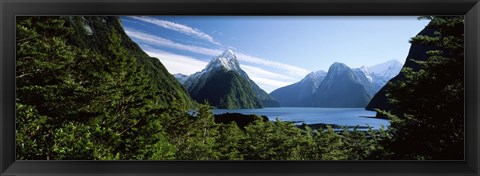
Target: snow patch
88 29
227 60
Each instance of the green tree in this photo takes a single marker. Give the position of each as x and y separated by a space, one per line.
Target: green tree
204 133
32 134
90 104
228 142
272 141
328 145
48 92
430 125
193 135
361 145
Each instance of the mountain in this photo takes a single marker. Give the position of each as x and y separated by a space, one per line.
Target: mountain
416 52
386 70
265 99
295 95
226 89
366 78
224 84
180 77
93 32
371 78
341 88
375 77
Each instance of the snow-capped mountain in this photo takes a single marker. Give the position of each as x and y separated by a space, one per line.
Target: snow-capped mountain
340 81
382 72
227 60
315 78
378 75
224 63
387 69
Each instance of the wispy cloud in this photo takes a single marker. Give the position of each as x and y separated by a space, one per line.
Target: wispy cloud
177 27
177 63
253 71
291 70
269 84
268 80
159 41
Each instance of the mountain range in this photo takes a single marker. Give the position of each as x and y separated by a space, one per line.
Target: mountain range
223 84
341 86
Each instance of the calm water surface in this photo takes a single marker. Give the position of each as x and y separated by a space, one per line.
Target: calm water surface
338 116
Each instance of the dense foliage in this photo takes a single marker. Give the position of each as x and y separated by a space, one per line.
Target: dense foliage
428 121
77 103
200 138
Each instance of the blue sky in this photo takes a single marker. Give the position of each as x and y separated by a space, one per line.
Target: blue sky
274 51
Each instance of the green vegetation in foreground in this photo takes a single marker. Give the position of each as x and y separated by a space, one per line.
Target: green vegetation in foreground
78 102
429 120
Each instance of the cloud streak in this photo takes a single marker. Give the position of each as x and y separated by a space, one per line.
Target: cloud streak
177 27
177 63
269 85
259 72
159 41
291 70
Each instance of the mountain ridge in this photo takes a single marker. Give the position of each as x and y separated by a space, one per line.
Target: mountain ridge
301 93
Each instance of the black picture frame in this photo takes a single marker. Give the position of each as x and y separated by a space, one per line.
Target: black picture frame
11 8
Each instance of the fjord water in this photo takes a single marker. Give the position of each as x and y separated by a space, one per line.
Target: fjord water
298 115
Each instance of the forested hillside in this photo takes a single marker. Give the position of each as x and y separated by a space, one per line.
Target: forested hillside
426 101
86 91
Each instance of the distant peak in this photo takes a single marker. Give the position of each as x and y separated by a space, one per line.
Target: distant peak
228 53
315 75
338 65
179 74
226 60
318 73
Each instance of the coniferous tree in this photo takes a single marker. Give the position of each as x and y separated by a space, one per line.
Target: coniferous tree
84 103
430 125
48 93
228 142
